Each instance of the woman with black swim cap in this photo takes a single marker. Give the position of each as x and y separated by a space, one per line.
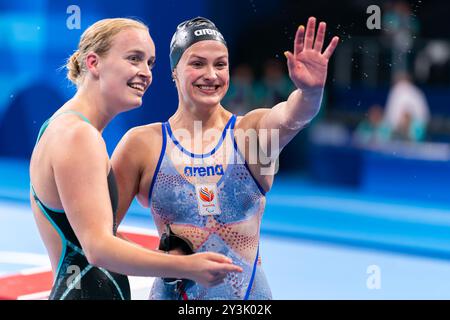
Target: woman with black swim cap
203 172
73 188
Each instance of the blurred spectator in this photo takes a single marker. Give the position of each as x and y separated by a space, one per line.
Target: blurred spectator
275 85
373 130
408 129
400 27
432 64
240 97
406 104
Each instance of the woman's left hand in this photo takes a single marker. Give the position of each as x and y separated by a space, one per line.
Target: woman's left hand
308 65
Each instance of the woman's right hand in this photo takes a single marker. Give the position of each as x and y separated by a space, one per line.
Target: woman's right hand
209 269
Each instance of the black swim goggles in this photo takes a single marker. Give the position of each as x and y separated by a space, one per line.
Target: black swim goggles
170 241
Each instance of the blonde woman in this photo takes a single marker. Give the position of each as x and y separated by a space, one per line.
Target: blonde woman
73 189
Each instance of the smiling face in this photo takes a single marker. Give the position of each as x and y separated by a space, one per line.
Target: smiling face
202 74
124 73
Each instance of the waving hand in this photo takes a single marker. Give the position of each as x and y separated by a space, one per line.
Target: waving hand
308 65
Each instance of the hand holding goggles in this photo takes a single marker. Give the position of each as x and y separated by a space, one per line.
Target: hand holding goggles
170 241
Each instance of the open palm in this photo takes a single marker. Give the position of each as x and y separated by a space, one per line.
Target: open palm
308 65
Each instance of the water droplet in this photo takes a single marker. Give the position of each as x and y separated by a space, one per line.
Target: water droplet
38 28
11 96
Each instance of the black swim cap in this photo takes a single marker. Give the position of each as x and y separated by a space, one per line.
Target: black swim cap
190 32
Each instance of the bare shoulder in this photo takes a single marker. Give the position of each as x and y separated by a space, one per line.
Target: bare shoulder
146 130
72 139
135 158
80 137
148 136
139 146
72 134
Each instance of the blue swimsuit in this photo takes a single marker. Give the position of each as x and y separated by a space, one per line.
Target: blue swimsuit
213 200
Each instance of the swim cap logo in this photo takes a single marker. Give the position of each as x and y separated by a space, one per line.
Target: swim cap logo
206 195
204 32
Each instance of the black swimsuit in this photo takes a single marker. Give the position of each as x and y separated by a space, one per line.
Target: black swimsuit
75 277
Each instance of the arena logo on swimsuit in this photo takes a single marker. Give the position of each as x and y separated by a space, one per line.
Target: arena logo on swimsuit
204 171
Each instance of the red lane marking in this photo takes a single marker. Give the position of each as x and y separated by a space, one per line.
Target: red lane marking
14 286
17 285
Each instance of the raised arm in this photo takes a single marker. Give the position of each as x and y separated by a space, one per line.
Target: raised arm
308 71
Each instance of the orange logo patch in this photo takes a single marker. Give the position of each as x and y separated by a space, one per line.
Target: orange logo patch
206 195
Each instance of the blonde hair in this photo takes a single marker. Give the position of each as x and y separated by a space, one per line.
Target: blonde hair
97 38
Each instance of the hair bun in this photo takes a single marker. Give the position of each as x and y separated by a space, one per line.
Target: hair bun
73 67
